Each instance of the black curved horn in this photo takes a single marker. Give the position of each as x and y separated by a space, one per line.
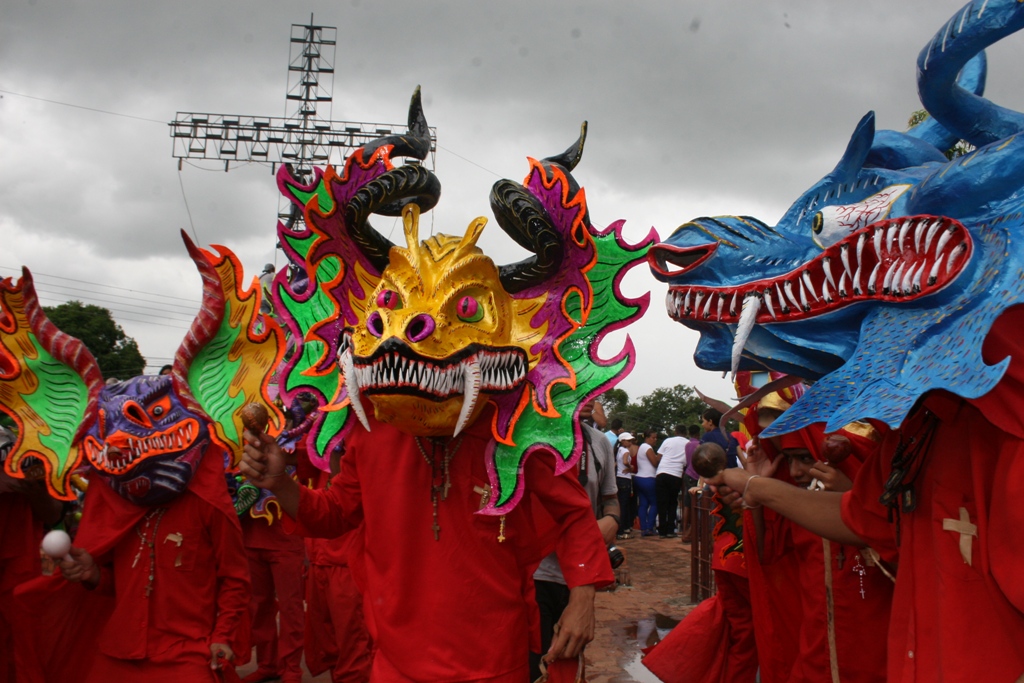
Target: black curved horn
522 216
570 157
415 143
388 193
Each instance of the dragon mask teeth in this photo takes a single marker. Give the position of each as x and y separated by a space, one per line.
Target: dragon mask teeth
400 373
897 260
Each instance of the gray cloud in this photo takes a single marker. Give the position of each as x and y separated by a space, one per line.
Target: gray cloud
695 107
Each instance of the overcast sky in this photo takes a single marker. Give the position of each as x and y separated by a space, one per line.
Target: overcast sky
695 108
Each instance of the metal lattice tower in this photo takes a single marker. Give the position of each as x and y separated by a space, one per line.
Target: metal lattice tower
305 137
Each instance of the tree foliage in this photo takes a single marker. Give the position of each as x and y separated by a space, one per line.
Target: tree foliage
662 409
959 148
117 354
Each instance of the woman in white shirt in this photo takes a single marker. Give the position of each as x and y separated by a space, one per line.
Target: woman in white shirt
643 482
625 466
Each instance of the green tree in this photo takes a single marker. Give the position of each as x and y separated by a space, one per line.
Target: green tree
663 409
615 402
117 354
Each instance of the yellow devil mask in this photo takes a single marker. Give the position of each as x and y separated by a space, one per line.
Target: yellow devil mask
428 334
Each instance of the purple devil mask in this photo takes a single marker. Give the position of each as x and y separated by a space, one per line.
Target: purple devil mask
144 441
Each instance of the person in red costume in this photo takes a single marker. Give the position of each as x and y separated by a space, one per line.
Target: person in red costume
25 508
336 635
820 608
958 605
715 643
445 593
177 578
276 565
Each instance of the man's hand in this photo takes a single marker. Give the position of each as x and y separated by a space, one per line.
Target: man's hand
833 479
263 462
758 462
79 567
576 627
220 653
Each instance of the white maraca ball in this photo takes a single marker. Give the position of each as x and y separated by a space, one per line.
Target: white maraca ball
56 544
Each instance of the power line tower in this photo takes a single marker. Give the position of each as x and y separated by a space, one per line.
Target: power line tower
304 137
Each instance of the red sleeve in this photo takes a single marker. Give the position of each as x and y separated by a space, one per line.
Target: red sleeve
581 551
332 511
862 512
232 577
1005 520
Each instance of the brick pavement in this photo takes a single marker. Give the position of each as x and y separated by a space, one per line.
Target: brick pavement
657 599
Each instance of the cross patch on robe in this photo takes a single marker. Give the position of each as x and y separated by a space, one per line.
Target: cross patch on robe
966 530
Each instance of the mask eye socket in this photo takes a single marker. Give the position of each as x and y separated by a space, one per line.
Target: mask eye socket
160 408
818 223
375 324
389 299
469 310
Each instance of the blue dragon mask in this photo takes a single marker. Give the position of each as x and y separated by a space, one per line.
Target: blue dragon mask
882 280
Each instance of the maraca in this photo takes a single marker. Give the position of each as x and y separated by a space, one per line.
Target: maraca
57 544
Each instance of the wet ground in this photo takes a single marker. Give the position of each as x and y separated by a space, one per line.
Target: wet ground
631 617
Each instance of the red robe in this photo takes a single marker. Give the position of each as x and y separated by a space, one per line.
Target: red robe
453 609
789 582
200 592
20 535
276 565
336 636
954 620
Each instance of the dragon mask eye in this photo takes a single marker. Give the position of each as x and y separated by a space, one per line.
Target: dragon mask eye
375 324
389 299
469 310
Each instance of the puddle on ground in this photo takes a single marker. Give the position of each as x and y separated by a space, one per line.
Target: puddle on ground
641 635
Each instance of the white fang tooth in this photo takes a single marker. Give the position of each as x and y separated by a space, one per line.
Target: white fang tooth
470 392
707 307
860 248
877 241
932 229
826 265
897 279
751 305
918 235
696 301
887 282
873 280
903 232
803 297
943 240
844 254
890 236
768 303
844 289
721 303
781 302
933 274
732 304
916 283
908 278
955 256
352 386
806 277
856 282
826 294
788 286
686 302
